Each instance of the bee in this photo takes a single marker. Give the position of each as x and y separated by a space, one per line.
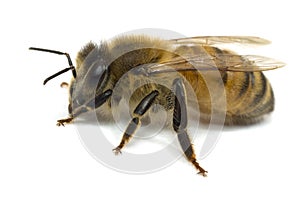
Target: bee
249 95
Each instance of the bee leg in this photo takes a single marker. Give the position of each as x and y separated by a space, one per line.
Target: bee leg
62 122
135 123
130 130
180 124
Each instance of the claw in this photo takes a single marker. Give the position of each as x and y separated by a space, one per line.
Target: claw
203 173
117 151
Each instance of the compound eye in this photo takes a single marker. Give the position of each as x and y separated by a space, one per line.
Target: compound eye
96 76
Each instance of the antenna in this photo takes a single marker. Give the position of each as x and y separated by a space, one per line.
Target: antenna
71 67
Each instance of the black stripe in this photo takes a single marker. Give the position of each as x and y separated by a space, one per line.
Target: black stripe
224 77
245 85
266 107
261 93
252 78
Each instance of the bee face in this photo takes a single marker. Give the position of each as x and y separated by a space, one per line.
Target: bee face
92 79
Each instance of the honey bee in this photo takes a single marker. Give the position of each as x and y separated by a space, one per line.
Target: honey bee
249 95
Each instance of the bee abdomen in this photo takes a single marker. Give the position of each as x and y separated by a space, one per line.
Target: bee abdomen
249 97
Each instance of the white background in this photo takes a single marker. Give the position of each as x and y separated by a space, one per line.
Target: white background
42 161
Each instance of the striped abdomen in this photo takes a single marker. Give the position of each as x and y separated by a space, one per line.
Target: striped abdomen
249 96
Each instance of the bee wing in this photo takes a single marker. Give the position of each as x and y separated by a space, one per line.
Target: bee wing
215 40
229 62
250 63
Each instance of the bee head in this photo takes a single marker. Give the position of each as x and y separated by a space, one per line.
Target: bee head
91 81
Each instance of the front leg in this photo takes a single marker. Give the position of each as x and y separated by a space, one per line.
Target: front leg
135 123
180 124
62 122
93 104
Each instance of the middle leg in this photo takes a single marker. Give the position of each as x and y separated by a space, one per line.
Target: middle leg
135 123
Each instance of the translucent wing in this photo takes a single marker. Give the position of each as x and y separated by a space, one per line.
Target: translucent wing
251 63
227 62
194 56
215 40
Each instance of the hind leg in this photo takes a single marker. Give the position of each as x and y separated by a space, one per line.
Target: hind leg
180 124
